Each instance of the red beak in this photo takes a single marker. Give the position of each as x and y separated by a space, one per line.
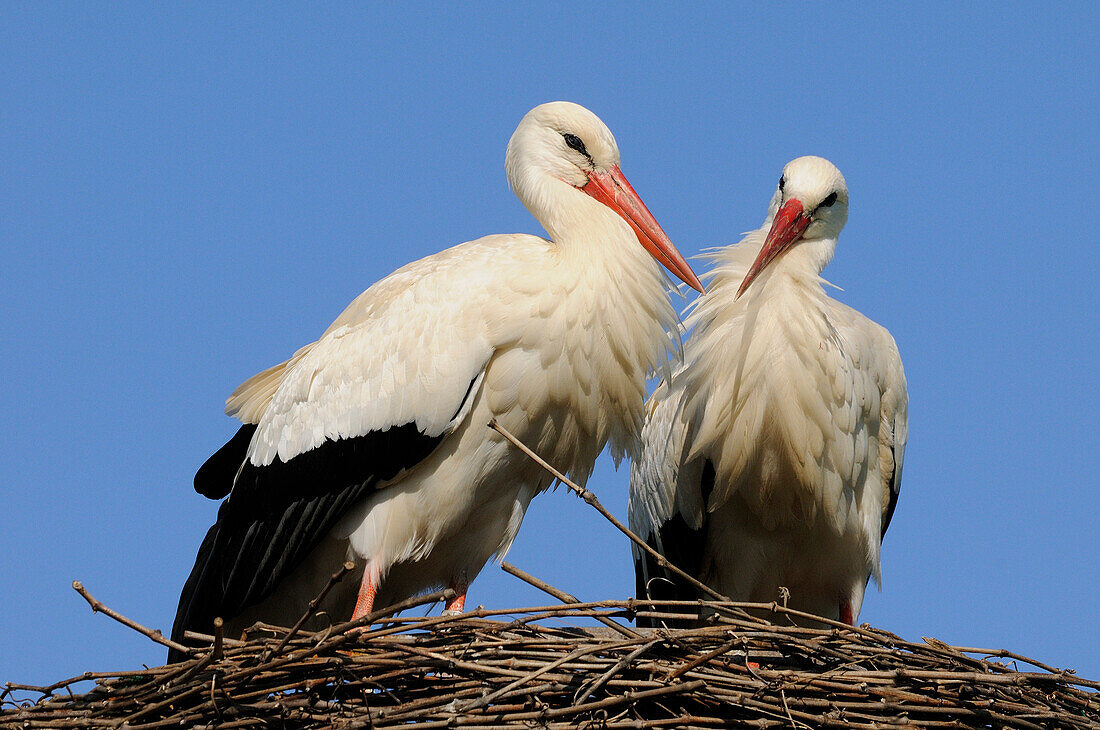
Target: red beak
789 225
613 190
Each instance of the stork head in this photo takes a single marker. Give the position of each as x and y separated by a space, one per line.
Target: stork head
564 143
810 206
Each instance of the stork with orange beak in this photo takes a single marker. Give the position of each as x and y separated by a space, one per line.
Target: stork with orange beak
772 460
372 442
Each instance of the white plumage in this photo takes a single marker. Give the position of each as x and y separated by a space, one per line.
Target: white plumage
554 338
773 458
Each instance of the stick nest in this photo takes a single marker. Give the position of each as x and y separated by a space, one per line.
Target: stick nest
540 668
537 667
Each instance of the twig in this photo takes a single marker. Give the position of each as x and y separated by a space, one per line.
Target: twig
340 634
341 630
219 638
680 671
787 708
336 578
155 635
628 696
484 701
590 498
199 636
215 654
563 597
624 662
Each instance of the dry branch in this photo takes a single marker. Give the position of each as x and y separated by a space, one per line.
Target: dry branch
562 596
98 607
590 498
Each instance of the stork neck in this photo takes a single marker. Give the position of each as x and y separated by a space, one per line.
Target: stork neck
796 269
580 224
806 259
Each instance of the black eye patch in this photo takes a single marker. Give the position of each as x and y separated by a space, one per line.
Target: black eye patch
829 200
575 142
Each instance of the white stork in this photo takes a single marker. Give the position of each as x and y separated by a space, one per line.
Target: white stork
372 442
773 457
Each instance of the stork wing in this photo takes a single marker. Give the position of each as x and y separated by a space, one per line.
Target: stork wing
374 396
668 500
894 431
876 363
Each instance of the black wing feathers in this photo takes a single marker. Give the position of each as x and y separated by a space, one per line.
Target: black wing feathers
683 547
277 514
214 478
895 492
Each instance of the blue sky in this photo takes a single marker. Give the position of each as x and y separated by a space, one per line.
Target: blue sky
189 194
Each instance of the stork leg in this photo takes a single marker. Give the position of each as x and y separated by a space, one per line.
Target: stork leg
846 614
457 604
368 589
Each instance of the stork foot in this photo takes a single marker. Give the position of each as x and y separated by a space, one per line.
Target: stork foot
457 605
368 589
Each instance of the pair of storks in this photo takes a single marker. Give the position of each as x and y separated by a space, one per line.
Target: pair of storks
772 456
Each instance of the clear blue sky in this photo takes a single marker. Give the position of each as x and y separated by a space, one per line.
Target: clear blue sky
188 195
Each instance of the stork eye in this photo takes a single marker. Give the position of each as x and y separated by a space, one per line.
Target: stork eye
828 201
782 182
575 142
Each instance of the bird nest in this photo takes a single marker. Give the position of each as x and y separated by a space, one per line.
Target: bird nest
540 667
744 665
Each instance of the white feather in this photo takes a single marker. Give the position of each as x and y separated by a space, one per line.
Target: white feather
799 403
558 338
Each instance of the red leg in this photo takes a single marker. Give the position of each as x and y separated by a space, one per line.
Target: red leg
364 604
457 604
846 612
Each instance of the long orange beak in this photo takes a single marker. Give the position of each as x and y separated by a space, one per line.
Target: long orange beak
613 190
789 225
